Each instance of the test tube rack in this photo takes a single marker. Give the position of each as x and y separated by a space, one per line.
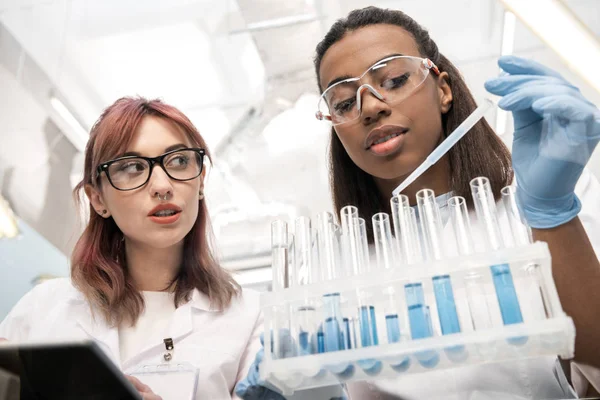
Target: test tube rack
302 351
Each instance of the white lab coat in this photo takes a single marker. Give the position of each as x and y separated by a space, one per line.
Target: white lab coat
221 344
538 378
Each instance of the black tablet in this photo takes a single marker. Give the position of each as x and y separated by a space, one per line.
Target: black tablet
65 371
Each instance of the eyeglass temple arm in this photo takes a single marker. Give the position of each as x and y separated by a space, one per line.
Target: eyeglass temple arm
430 65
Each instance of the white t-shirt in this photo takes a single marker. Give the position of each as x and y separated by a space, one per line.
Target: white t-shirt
152 325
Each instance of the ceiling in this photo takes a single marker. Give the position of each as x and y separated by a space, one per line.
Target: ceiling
240 69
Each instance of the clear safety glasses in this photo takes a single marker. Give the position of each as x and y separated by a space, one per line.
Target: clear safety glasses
391 80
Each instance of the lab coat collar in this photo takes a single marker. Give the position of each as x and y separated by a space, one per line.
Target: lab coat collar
202 302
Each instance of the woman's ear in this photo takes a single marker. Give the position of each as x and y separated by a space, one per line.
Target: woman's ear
96 200
201 192
444 92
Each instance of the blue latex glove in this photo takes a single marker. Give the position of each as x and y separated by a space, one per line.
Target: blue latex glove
253 388
556 131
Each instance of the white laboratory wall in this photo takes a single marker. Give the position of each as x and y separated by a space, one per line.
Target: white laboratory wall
35 165
24 260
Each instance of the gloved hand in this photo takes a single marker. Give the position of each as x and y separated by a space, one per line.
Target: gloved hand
253 388
556 131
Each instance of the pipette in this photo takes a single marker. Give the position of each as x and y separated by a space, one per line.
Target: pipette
446 145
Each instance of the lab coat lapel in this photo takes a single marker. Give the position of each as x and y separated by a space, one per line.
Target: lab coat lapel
96 328
183 319
182 324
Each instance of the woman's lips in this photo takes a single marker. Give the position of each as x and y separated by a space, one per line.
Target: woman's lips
388 147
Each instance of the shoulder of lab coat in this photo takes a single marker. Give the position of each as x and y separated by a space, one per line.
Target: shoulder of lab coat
588 191
17 324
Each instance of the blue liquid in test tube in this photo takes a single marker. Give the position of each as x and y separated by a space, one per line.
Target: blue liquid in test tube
333 338
368 326
368 337
320 341
304 344
507 299
444 298
446 306
393 328
346 335
420 322
392 324
332 335
507 296
332 331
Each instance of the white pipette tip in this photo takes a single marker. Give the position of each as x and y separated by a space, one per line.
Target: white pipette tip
447 144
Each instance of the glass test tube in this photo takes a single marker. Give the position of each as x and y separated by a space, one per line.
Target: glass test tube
364 245
432 229
303 275
353 262
352 266
521 233
331 329
367 323
476 297
407 234
485 207
394 328
407 245
386 259
328 269
281 324
418 310
346 313
382 236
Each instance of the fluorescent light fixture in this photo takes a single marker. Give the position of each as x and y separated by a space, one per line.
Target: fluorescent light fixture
563 32
508 33
73 130
278 23
508 45
8 221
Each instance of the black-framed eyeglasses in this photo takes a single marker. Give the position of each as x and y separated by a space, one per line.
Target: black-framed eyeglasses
132 172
